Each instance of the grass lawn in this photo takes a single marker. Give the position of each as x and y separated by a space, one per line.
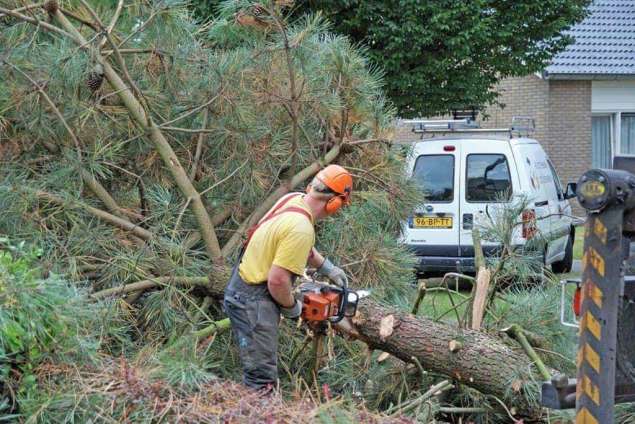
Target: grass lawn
438 304
578 244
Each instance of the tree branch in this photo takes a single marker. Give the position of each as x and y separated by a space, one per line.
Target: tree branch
265 205
163 147
103 215
36 22
92 183
79 19
199 147
113 22
151 283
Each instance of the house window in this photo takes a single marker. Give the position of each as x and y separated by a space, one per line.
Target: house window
627 133
601 135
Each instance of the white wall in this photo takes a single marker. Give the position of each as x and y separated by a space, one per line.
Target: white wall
613 96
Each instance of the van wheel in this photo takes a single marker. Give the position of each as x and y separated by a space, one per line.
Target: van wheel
566 264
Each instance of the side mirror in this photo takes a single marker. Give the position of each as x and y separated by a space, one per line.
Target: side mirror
572 188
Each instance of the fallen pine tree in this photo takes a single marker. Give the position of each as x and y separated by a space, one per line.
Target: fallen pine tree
137 146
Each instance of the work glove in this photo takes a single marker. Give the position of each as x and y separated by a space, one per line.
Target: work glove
293 312
333 273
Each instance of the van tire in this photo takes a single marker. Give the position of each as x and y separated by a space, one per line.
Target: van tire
566 264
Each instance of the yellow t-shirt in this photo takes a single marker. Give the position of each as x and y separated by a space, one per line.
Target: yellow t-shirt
285 241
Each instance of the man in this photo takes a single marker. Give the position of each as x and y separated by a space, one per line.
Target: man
278 249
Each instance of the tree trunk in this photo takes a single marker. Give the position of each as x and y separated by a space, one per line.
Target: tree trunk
482 362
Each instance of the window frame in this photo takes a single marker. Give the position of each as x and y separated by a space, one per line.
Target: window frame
414 168
617 117
556 180
614 135
509 173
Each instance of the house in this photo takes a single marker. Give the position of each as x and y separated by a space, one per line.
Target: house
583 103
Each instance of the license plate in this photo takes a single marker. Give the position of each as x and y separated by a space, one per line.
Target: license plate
432 222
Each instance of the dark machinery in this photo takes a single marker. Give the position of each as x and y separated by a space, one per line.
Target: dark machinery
606 347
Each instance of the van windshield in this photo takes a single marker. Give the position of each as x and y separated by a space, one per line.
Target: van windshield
488 178
435 174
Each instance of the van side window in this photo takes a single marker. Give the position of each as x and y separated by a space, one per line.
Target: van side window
435 175
488 178
556 181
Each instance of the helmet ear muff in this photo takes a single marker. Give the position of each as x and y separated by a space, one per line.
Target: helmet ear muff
334 204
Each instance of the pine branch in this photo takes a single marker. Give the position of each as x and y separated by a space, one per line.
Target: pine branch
113 22
285 188
35 21
199 147
26 8
92 183
163 147
151 283
103 215
79 19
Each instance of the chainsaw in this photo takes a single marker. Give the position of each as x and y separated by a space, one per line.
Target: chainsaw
323 302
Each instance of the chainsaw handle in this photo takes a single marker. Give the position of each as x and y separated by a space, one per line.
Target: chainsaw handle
343 306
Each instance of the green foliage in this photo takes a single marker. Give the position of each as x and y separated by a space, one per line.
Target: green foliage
239 73
41 320
439 55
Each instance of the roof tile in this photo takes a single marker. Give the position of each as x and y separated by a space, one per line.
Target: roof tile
604 41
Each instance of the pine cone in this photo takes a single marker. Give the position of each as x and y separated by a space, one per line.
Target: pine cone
51 6
95 78
94 81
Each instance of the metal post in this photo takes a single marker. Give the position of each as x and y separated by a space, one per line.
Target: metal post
602 285
606 194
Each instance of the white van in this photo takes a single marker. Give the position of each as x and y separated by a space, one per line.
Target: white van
466 172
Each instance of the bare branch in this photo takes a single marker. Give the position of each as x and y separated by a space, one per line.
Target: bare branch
79 19
199 147
192 111
149 284
187 130
224 179
103 215
36 22
26 8
113 22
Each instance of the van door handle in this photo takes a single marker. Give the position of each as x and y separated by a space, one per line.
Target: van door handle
543 203
468 221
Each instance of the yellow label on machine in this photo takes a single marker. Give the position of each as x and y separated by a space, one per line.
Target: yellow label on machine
593 292
593 258
592 188
590 323
600 231
592 357
591 390
585 417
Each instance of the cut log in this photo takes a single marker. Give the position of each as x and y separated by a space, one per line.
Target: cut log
483 362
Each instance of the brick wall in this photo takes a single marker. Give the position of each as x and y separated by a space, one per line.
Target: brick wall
569 140
527 96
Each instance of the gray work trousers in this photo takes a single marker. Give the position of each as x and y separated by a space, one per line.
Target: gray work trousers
254 319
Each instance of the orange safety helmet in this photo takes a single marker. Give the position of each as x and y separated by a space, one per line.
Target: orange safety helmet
340 182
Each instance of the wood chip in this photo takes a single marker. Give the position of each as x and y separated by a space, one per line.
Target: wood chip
386 327
383 356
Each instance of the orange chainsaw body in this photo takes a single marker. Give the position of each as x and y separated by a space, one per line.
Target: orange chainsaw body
320 306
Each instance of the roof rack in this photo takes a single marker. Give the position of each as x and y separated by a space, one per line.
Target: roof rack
521 125
427 125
